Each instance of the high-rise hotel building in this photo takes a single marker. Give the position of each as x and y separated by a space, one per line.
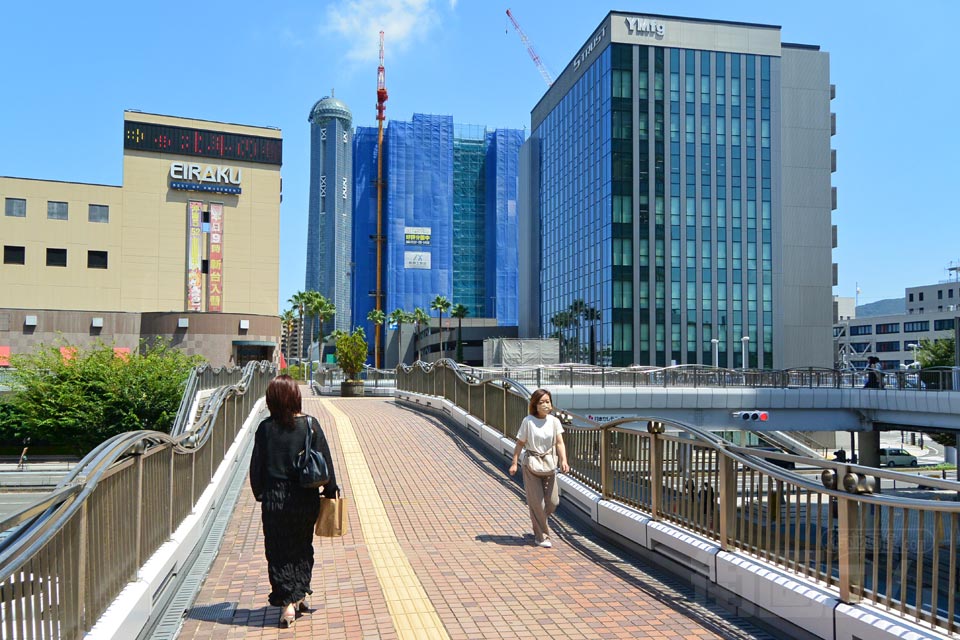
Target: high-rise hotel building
330 210
678 180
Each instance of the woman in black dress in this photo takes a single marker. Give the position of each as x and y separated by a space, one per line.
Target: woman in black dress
288 511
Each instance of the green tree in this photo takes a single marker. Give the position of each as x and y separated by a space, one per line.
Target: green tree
936 353
459 312
441 305
82 396
420 317
376 316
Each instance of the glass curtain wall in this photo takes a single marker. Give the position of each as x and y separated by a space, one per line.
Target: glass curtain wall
659 293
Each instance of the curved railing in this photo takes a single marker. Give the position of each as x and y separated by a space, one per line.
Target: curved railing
930 379
71 553
821 521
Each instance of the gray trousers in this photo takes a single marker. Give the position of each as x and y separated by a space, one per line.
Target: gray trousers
543 497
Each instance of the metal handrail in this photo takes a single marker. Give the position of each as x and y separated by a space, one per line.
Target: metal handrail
138 486
896 551
574 374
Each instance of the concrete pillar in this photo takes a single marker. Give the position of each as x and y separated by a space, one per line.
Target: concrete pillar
869 453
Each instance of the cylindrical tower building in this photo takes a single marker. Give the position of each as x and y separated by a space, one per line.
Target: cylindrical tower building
329 237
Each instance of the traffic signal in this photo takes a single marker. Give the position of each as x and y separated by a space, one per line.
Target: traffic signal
752 415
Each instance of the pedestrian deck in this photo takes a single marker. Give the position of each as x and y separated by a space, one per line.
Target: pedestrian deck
439 546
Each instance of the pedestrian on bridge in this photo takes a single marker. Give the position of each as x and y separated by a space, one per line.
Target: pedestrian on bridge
288 511
541 438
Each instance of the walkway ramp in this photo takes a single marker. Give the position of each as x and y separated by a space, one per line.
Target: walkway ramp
439 546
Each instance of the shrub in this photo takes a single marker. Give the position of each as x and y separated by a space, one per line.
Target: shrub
94 394
352 352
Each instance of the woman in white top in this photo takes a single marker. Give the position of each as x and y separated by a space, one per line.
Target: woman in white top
540 434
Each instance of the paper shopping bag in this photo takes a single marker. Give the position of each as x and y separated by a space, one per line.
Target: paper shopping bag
332 521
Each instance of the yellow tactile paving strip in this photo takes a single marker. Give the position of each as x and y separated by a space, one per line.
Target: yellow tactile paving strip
410 608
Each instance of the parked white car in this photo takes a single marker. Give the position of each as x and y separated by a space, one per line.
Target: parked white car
897 458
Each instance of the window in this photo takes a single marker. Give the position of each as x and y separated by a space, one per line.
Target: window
56 210
890 327
920 296
14 255
56 257
861 330
911 297
943 325
885 347
939 294
949 293
915 327
16 207
96 260
98 213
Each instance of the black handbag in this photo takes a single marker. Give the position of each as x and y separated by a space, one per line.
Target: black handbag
311 467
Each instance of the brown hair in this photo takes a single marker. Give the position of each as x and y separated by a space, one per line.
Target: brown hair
535 399
283 400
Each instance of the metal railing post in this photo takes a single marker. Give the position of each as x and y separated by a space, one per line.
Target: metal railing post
850 549
605 489
656 475
728 500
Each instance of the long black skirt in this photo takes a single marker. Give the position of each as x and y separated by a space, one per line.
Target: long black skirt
289 513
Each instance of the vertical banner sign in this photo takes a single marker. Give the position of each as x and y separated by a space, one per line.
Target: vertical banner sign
194 242
215 255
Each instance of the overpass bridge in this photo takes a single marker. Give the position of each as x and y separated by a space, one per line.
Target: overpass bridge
437 546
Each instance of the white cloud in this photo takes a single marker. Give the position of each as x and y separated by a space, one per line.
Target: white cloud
359 23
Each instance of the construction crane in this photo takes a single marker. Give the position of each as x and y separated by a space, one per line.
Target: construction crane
533 54
381 106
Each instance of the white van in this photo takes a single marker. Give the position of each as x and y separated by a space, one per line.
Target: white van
897 458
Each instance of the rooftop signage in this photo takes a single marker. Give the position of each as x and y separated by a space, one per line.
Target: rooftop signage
589 47
645 27
194 177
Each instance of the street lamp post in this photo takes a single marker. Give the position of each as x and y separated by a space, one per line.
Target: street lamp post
745 340
914 346
716 351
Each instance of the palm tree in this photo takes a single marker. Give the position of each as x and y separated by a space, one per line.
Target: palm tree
577 307
398 317
459 312
288 319
591 315
441 305
562 320
420 317
376 316
299 301
321 309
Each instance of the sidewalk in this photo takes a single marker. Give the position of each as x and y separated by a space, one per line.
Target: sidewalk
439 546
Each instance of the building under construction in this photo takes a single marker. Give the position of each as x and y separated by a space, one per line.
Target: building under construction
449 218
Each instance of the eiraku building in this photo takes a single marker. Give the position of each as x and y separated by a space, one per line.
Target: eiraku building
678 180
187 248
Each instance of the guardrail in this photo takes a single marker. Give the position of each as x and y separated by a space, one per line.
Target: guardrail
930 379
72 552
895 551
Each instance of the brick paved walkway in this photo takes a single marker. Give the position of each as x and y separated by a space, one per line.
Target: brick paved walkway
439 546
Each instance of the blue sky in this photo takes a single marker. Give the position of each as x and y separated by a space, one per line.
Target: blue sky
70 69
